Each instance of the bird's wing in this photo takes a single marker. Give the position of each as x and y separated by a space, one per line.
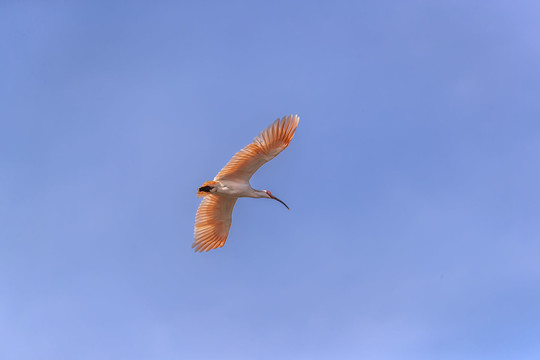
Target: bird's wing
273 140
213 221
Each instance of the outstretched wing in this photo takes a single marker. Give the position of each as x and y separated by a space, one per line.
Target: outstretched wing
213 221
273 140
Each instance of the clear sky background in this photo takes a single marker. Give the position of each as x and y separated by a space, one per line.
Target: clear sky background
413 180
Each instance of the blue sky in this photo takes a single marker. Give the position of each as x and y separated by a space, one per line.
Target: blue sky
412 180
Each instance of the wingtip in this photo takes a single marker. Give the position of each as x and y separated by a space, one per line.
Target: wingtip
203 247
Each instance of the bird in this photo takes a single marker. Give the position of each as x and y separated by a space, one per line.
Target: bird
214 215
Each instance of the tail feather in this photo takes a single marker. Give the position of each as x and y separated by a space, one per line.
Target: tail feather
206 188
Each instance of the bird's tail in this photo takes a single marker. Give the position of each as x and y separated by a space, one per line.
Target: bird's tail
206 188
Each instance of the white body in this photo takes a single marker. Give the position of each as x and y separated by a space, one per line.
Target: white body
237 189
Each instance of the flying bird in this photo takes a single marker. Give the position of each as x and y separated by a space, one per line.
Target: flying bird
214 216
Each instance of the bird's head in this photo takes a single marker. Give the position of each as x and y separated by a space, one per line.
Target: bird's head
270 196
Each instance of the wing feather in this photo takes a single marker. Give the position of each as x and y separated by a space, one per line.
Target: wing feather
213 221
270 142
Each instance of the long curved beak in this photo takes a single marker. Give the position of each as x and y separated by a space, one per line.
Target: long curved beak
275 198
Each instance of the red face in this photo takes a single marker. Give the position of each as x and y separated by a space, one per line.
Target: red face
275 198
